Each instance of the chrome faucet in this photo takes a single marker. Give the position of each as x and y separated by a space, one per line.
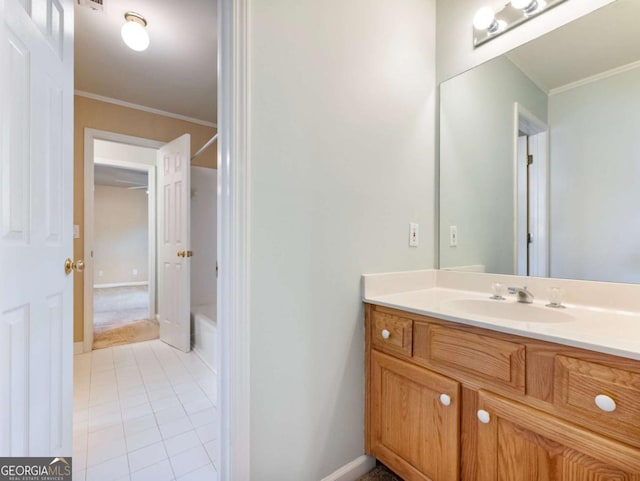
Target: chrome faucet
525 296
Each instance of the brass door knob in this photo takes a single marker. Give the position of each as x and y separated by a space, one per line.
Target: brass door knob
70 266
185 253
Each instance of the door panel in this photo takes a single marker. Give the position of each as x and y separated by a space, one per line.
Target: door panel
36 212
411 430
522 444
174 283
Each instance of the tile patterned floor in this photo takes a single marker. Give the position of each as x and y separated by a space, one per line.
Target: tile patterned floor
143 412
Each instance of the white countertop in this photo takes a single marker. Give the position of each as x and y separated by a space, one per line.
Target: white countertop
595 328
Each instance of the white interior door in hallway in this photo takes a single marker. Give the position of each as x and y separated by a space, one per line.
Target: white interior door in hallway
174 256
36 204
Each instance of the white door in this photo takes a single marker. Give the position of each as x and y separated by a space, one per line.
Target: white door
36 205
174 239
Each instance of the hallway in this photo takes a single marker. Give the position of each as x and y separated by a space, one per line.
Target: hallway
143 412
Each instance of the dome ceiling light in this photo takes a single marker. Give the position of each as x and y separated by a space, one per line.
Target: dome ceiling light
134 32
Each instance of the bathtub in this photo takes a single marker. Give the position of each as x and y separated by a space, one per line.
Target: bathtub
205 334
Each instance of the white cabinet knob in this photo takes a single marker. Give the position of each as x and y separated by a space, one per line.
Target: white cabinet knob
484 416
605 403
385 334
445 399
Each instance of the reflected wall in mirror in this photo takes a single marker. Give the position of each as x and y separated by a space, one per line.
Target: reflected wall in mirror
540 155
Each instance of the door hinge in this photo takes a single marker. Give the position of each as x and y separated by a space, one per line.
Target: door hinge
529 238
529 159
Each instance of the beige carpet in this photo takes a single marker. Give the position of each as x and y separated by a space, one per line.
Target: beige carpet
133 331
121 316
380 473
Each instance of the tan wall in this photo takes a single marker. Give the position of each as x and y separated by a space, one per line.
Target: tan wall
121 235
122 120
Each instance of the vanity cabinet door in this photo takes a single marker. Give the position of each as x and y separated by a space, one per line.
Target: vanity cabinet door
518 443
414 420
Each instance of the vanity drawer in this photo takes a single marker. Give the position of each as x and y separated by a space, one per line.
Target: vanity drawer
578 382
497 360
391 333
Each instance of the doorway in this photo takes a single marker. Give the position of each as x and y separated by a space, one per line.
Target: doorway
532 194
120 283
124 277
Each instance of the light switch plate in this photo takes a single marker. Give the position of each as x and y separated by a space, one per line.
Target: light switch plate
453 236
413 235
76 231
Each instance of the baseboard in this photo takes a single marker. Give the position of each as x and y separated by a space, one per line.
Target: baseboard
78 347
121 284
353 470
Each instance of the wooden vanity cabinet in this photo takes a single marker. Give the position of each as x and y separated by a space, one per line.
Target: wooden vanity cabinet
460 403
517 443
415 419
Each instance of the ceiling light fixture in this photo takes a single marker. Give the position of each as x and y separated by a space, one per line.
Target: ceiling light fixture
134 32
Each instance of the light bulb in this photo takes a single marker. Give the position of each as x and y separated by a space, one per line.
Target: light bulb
135 35
521 4
484 19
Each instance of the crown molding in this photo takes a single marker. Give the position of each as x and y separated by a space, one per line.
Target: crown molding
595 78
143 108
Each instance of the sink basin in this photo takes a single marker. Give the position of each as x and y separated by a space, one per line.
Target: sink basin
507 310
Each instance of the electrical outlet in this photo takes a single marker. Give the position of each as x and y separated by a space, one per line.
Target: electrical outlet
413 235
453 236
135 272
100 273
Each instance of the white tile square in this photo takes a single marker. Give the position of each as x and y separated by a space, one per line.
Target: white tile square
182 442
206 433
160 393
134 412
134 400
157 472
164 403
205 473
170 414
112 470
143 438
202 418
185 387
189 460
137 425
131 391
105 444
174 428
147 456
199 405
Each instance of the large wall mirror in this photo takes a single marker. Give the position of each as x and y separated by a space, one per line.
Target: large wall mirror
540 155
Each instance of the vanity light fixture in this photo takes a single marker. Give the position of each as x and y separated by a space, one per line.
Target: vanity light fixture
488 24
134 32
